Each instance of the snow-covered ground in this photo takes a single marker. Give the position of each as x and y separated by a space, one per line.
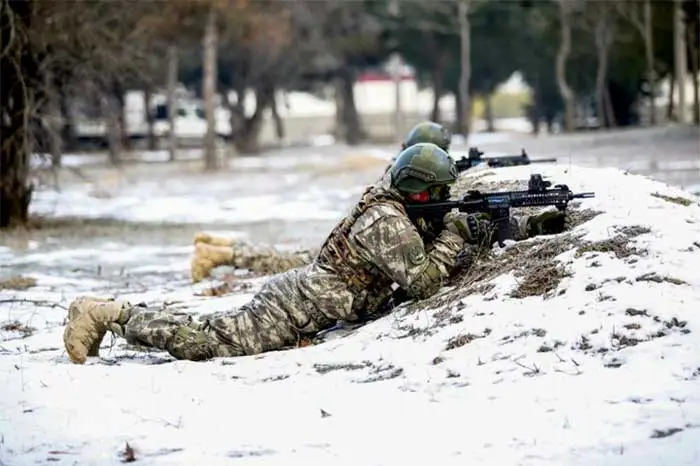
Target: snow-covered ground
593 362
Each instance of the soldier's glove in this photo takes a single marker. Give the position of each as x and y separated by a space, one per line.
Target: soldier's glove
473 228
550 222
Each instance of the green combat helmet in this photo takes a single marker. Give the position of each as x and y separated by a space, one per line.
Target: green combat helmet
423 167
429 131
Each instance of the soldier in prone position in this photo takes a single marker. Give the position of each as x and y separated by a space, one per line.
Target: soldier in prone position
373 247
211 251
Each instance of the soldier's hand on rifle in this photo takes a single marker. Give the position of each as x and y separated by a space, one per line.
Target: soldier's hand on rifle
473 228
550 222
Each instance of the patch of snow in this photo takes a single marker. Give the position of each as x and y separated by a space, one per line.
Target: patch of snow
603 375
41 160
189 208
322 140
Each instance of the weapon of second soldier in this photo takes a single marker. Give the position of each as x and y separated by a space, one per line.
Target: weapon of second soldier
474 158
498 204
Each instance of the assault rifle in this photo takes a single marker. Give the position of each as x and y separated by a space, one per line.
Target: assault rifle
474 158
498 204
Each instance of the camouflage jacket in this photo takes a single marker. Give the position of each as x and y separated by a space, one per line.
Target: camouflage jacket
377 245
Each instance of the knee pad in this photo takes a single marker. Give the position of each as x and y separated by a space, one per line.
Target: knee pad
192 345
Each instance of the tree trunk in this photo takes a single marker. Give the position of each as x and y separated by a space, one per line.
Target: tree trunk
600 86
670 107
119 105
488 114
604 34
679 50
109 106
649 53
18 68
53 119
171 84
465 65
609 111
459 113
438 76
277 119
68 128
693 38
211 161
148 114
396 64
339 130
247 140
563 53
351 119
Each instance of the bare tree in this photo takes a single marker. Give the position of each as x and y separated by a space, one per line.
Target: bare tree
171 84
693 41
19 74
465 64
567 94
52 118
600 20
148 115
679 51
112 111
210 46
638 14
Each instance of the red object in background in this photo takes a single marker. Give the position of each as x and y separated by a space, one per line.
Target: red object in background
373 76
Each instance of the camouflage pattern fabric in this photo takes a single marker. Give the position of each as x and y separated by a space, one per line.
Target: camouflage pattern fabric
217 251
268 260
349 278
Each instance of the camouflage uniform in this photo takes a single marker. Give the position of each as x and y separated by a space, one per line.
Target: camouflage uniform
352 275
375 246
268 260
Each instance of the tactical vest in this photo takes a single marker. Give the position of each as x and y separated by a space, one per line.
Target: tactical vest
338 255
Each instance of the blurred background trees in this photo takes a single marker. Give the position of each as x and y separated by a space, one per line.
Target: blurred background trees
588 64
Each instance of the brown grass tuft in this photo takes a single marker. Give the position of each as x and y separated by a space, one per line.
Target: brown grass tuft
618 244
17 283
674 199
540 280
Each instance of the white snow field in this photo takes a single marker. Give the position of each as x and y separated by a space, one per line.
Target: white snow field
580 350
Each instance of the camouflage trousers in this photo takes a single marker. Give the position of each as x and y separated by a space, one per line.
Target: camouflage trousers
268 260
277 317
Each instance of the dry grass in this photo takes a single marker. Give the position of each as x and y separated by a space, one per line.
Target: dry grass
656 278
540 280
575 217
617 245
17 326
674 199
519 258
17 283
461 340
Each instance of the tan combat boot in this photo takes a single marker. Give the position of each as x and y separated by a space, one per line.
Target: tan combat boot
207 257
205 238
88 321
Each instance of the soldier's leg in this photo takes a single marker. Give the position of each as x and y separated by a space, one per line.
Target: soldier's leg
183 336
268 260
89 319
242 255
206 258
201 237
259 326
